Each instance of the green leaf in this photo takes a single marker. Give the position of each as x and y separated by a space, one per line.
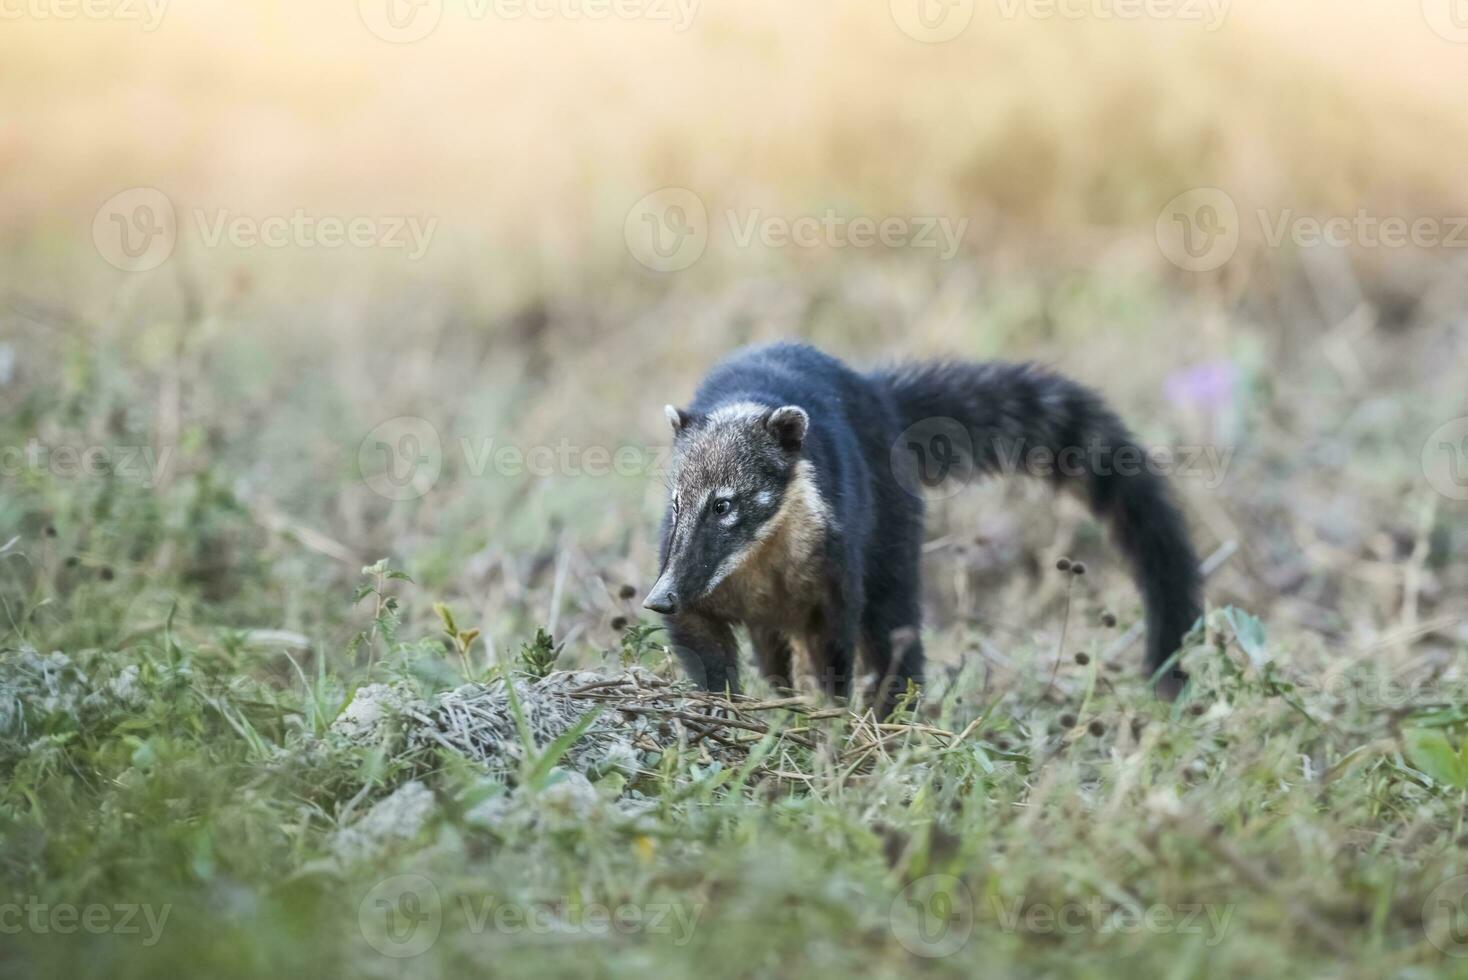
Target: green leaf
558 748
446 617
1249 631
1429 751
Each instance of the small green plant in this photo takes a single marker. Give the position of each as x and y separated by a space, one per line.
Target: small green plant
385 616
637 643
538 657
460 640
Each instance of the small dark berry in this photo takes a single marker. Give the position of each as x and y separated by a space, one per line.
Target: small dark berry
1083 658
1067 720
1197 709
1078 568
1097 728
619 623
1108 620
107 574
627 592
1062 565
50 530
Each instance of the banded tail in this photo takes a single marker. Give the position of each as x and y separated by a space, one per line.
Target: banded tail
1011 409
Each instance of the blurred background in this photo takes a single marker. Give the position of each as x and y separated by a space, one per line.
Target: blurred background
282 281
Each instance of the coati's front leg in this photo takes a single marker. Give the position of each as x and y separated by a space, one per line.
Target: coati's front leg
831 640
773 651
707 649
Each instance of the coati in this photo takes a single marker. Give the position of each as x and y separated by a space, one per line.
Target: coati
790 513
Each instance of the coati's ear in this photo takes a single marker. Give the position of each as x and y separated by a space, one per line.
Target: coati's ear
677 418
788 425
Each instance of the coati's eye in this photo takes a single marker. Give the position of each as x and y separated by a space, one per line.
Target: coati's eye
722 506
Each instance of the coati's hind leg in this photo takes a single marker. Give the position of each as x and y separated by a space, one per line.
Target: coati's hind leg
773 651
707 649
892 643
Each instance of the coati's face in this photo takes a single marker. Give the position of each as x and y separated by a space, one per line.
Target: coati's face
731 473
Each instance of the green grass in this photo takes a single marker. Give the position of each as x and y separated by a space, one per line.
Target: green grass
1292 816
1252 828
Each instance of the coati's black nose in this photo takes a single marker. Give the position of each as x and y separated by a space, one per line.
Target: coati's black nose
665 602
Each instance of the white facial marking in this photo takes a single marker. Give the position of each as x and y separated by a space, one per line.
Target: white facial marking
801 521
734 411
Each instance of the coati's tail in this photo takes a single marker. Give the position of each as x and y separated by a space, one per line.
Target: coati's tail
1025 419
